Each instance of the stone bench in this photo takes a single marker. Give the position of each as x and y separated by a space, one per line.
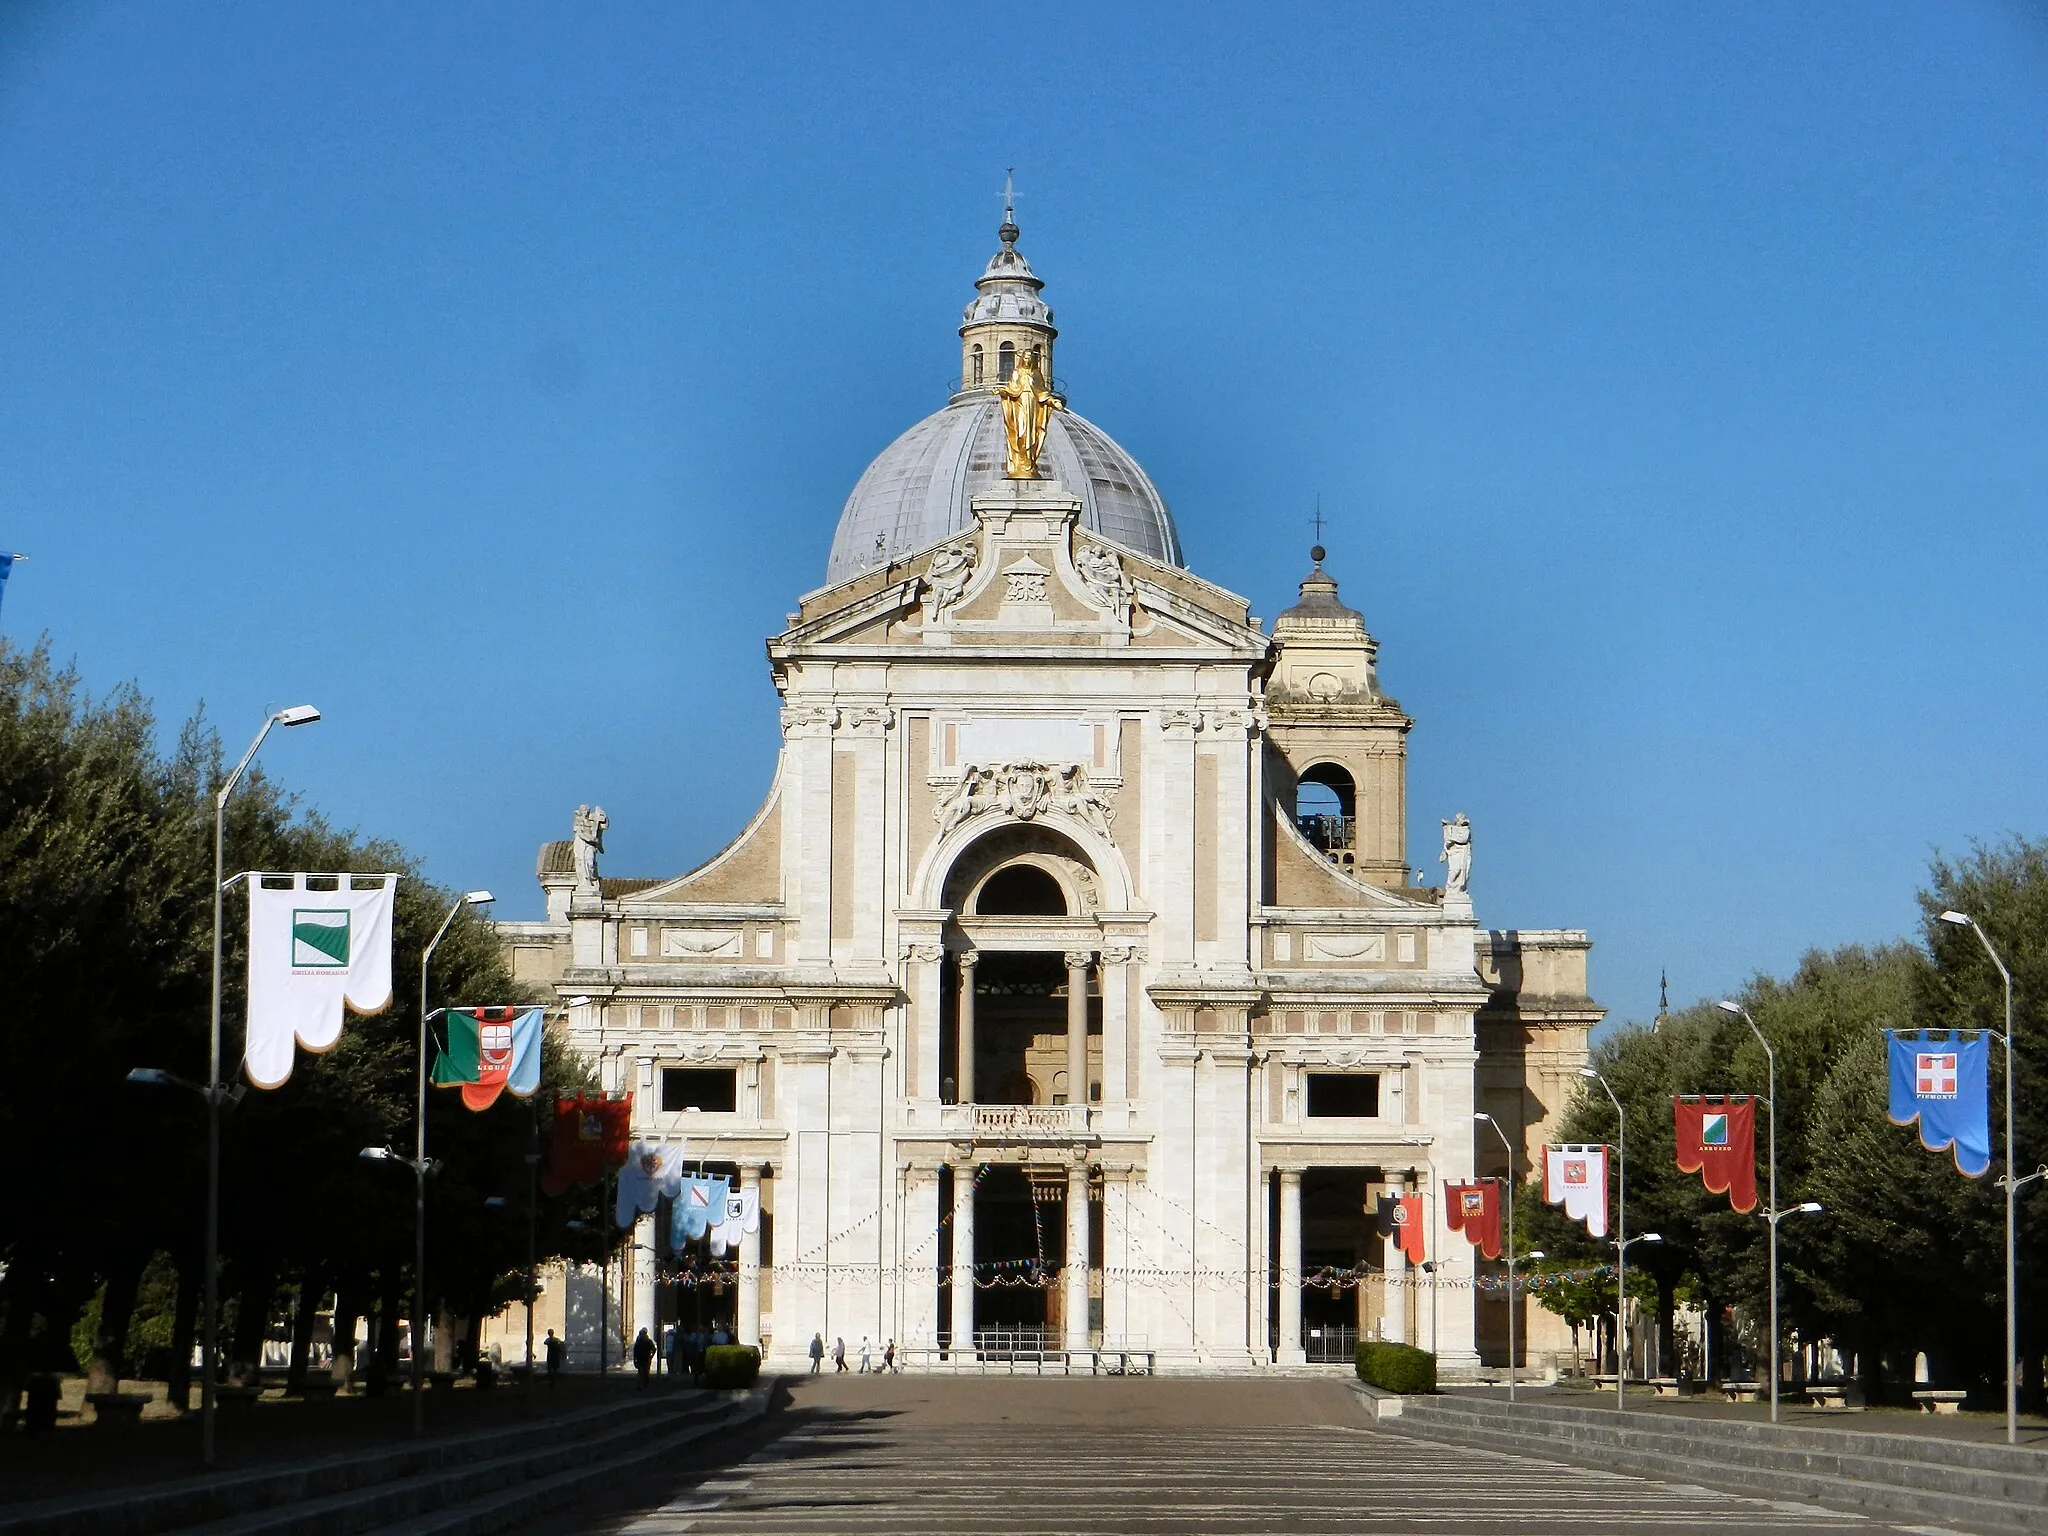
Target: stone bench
1836 1394
242 1397
117 1408
1670 1386
1743 1391
1940 1401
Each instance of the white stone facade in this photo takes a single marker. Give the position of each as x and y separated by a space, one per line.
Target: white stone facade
1034 993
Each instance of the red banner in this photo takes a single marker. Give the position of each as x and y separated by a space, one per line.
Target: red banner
591 1134
1474 1209
1717 1140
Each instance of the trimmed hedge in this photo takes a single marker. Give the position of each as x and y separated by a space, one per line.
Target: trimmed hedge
731 1365
1396 1367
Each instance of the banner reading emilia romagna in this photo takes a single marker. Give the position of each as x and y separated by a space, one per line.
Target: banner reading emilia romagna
312 953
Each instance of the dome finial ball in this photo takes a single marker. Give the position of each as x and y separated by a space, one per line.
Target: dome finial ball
1316 553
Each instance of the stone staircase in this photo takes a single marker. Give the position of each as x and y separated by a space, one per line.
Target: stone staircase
1923 1479
459 1486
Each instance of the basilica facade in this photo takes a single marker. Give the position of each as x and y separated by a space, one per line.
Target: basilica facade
1072 987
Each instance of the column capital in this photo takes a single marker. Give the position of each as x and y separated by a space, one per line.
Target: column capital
1079 959
967 958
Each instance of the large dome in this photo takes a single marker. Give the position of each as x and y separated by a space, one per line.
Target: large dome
923 485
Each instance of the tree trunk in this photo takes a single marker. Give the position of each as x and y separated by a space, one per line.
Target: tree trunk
1667 1326
184 1330
19 1297
305 1317
117 1308
252 1322
346 1310
391 1290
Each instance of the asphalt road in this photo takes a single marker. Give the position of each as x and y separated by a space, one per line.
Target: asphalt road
907 1456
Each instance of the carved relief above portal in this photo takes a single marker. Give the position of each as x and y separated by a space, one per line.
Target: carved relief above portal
1025 789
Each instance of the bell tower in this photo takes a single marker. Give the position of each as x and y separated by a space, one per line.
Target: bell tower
1343 744
1007 319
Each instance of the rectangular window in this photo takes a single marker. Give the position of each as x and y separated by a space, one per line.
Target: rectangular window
1343 1095
708 1090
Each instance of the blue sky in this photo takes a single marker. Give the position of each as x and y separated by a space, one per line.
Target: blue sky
1673 379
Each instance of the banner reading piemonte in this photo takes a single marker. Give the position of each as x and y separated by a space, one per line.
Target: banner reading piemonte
1575 1177
485 1051
1474 1209
1944 1082
1716 1139
590 1137
313 953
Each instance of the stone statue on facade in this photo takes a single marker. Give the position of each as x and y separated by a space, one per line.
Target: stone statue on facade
1028 404
1102 573
1457 856
946 578
589 831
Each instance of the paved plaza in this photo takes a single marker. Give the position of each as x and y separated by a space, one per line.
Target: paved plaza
1032 1458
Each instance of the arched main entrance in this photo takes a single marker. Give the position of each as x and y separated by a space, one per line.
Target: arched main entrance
1021 1055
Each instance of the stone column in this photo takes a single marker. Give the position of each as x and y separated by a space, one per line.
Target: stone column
1116 1256
963 1258
644 1313
967 958
1116 1087
1290 1351
1394 1305
1077 1254
750 1264
1078 961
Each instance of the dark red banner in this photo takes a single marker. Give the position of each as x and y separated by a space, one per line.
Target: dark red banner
591 1134
1717 1140
1474 1209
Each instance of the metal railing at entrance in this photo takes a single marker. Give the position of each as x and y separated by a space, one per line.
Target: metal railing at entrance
1329 1343
1030 1351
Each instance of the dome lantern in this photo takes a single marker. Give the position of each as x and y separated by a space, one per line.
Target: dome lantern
1007 319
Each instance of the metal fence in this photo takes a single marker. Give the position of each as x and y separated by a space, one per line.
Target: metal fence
1329 1344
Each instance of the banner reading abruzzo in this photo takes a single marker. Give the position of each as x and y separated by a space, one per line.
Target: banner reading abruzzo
312 953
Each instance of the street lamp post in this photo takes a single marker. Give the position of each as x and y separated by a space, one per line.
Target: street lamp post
216 1092
2012 1189
1620 1241
419 1170
1771 1212
1508 1147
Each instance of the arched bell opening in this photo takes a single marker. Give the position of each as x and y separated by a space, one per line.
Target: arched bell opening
1326 810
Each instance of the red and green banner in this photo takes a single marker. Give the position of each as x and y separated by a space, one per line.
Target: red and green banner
1474 1209
485 1051
1716 1139
590 1138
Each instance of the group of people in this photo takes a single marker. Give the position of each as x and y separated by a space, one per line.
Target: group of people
867 1358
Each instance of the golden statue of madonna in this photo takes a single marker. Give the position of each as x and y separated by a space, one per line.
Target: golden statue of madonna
1028 404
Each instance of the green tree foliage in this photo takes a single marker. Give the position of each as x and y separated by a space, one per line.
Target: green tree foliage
1908 1256
105 938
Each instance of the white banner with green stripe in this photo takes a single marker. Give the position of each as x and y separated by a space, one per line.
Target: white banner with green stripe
317 943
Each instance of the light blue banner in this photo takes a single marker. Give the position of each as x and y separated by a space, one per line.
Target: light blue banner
1942 1080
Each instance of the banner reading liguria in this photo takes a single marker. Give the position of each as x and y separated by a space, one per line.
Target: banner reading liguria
1474 1209
591 1130
488 1050
310 954
1716 1139
1576 1178
1944 1082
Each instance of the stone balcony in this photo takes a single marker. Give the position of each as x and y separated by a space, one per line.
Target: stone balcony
1016 1122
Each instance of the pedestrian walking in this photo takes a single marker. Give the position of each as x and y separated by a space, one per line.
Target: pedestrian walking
643 1357
838 1356
864 1354
553 1348
889 1356
817 1352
